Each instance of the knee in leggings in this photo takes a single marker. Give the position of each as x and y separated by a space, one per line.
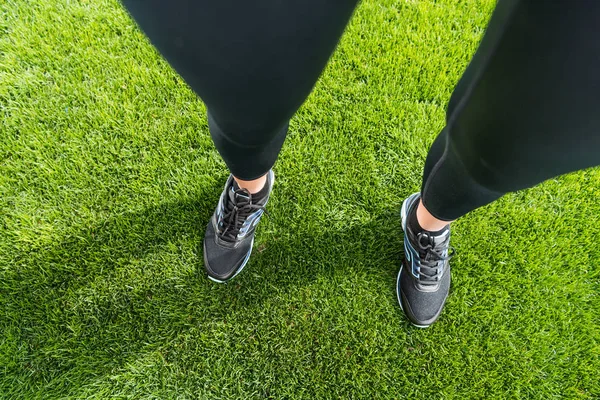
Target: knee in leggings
247 131
490 174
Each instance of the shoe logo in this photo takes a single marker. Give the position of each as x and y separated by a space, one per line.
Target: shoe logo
220 210
250 223
408 252
410 255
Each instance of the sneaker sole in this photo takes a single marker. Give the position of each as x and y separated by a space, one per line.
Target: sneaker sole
403 214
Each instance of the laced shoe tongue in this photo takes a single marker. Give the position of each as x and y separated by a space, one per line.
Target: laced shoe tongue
239 198
234 212
433 241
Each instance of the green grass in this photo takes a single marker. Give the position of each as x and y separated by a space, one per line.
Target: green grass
108 177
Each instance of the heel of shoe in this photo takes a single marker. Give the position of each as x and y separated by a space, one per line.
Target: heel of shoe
404 210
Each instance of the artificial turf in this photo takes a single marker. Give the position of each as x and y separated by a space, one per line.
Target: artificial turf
108 177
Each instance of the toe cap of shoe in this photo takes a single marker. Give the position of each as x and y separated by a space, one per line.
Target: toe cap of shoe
422 307
222 262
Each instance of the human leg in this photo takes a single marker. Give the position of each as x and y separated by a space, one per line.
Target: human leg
253 64
525 110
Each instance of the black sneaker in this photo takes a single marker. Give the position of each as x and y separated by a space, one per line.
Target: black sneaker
230 232
424 278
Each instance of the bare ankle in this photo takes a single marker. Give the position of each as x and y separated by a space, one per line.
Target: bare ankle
253 186
428 221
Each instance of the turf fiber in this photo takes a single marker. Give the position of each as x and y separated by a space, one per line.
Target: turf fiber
108 177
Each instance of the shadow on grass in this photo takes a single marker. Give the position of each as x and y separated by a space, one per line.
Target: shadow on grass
68 306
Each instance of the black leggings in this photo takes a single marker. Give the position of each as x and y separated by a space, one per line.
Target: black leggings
526 109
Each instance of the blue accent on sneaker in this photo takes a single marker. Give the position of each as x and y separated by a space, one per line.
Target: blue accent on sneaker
229 235
424 279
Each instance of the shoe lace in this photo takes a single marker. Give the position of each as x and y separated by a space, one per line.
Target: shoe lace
433 257
237 209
